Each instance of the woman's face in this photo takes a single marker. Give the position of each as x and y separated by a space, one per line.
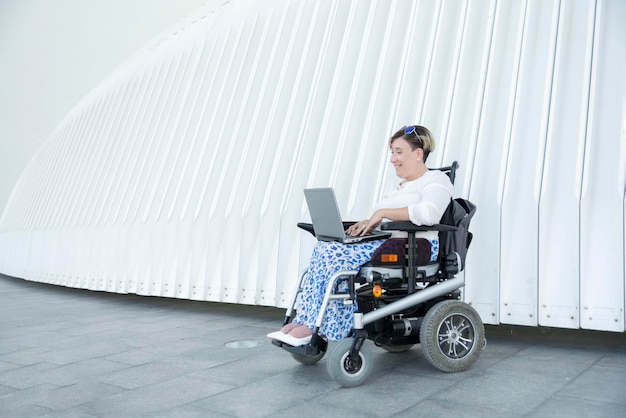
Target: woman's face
406 161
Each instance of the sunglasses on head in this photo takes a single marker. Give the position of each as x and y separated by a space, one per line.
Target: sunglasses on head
408 130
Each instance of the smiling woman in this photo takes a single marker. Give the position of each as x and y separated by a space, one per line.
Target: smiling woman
421 197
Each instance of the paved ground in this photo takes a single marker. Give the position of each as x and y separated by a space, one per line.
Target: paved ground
75 353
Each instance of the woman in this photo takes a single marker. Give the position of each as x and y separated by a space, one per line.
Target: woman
421 197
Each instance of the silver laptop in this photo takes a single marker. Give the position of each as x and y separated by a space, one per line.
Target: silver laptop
326 218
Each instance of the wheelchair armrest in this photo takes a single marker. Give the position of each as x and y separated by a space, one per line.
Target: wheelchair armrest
308 227
408 226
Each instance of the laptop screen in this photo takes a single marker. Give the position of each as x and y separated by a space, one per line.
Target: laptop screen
324 212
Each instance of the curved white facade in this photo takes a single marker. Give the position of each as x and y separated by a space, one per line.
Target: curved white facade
181 175
54 52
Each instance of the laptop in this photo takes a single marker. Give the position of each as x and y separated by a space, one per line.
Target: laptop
326 218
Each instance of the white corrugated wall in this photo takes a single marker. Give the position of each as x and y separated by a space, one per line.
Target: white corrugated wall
181 175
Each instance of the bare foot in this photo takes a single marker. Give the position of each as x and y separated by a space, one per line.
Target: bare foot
301 332
287 328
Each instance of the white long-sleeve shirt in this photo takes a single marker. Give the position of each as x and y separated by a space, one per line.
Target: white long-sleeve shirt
426 199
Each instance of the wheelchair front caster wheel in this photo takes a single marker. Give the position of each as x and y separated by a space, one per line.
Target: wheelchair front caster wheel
346 370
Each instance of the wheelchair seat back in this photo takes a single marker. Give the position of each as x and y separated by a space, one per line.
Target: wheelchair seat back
454 240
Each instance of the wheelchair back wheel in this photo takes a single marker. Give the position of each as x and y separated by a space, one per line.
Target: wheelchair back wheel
452 336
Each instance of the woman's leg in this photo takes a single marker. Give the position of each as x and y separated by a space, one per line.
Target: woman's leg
327 259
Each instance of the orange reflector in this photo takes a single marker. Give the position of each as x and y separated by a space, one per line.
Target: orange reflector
389 258
377 291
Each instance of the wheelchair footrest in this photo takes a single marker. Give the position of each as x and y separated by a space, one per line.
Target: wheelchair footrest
316 346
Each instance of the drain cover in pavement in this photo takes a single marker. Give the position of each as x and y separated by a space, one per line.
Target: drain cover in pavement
243 344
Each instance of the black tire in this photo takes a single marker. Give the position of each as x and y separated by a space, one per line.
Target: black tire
308 360
344 370
400 348
452 336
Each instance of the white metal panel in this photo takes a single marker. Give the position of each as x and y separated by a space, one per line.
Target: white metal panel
489 161
461 128
181 175
602 200
559 212
524 164
439 90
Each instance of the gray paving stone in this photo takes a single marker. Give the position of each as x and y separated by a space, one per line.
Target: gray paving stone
266 397
151 373
8 365
220 354
153 399
236 333
174 343
570 407
436 408
383 388
68 413
25 356
248 370
30 339
138 356
541 360
6 390
103 324
188 411
75 353
26 376
309 409
514 392
613 358
24 403
80 371
123 337
67 397
72 354
219 324
600 384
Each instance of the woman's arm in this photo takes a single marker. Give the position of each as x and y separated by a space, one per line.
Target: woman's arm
368 225
432 201
435 200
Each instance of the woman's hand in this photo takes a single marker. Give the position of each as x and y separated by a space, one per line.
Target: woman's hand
368 225
356 229
374 221
365 226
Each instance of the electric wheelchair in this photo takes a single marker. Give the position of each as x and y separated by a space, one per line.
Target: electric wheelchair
401 304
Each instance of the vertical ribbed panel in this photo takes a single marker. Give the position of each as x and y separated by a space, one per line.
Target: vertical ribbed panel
181 175
602 198
559 236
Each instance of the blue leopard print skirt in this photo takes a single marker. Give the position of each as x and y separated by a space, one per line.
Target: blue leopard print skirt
327 259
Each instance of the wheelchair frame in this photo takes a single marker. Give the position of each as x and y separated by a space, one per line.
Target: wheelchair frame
450 331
